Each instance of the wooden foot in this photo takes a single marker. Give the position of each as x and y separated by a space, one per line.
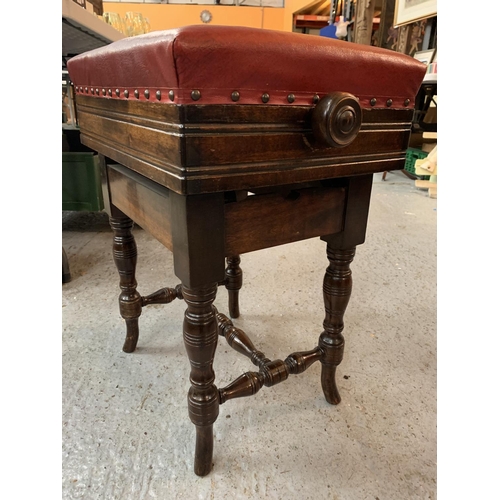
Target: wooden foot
337 287
125 257
234 281
204 450
200 340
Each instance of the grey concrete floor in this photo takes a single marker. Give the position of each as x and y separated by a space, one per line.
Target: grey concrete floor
126 433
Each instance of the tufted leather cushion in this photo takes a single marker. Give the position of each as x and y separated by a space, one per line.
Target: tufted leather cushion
219 60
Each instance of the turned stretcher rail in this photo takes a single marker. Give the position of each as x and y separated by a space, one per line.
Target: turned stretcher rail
270 372
163 296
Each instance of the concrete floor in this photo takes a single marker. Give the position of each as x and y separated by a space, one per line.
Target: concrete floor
126 433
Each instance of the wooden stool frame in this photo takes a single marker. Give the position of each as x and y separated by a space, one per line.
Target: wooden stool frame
201 186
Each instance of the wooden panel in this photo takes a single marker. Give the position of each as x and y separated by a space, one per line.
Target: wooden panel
146 169
246 114
142 136
257 175
226 135
356 214
131 109
213 148
232 114
152 145
197 149
268 220
198 238
145 202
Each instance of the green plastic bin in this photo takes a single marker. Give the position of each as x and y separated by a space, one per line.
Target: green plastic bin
81 182
412 155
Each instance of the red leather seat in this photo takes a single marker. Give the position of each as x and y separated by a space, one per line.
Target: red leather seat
216 61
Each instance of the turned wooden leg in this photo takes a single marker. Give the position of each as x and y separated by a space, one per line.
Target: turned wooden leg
200 339
337 287
125 256
234 281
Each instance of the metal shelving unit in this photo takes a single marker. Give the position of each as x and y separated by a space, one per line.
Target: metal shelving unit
81 31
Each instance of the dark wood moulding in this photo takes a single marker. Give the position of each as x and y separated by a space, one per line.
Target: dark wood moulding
195 149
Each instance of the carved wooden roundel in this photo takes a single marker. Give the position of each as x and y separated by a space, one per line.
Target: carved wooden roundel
336 119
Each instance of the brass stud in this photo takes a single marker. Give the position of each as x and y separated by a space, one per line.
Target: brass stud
117 92
146 94
86 90
125 93
92 90
407 101
171 95
96 91
373 101
195 95
235 96
265 97
110 92
136 94
290 98
316 99
158 95
389 103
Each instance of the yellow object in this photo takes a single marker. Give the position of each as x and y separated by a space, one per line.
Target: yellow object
421 171
428 165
